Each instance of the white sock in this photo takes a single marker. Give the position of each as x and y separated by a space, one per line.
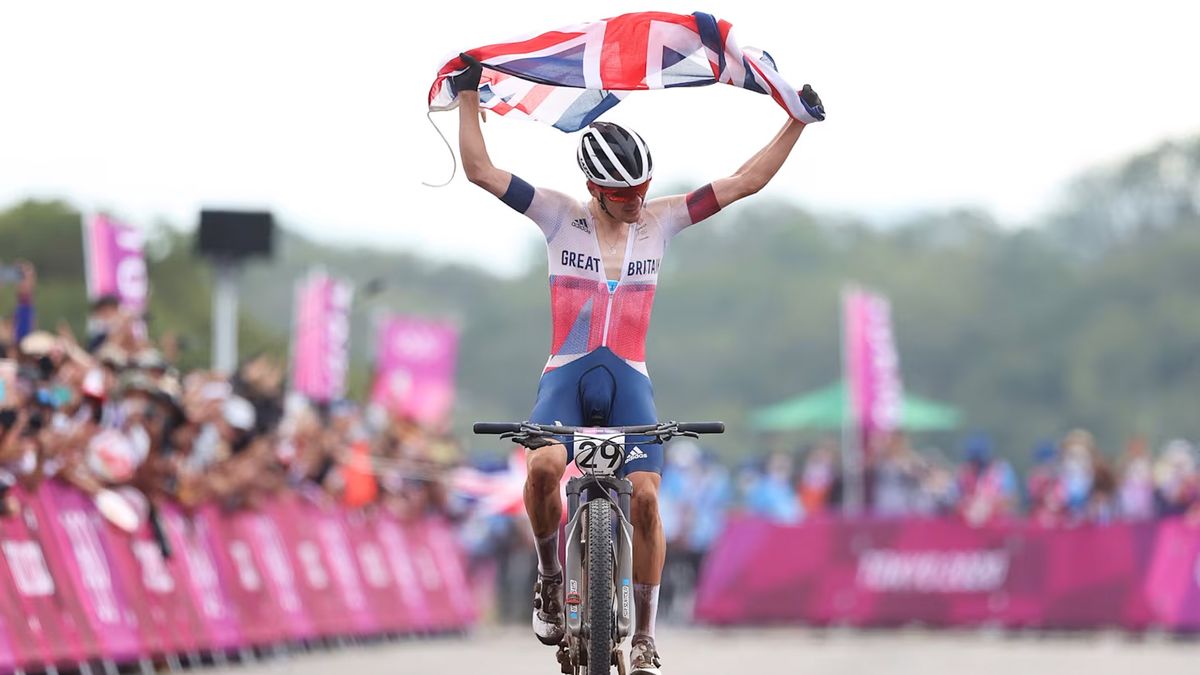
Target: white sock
547 553
645 605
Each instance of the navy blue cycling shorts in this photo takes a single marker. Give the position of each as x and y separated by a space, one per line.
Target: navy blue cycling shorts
599 390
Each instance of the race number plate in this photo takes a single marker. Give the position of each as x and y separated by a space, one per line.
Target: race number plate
599 453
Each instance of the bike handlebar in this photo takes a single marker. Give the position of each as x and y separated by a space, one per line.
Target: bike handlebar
702 427
496 428
666 429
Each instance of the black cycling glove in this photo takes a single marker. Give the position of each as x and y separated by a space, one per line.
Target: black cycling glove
468 80
810 99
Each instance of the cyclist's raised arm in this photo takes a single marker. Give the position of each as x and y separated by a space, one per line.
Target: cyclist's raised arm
762 167
759 169
682 211
476 163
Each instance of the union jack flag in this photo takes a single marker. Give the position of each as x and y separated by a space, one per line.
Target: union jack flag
569 77
503 492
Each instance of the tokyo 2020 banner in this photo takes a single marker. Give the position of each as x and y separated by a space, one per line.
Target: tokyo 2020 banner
946 573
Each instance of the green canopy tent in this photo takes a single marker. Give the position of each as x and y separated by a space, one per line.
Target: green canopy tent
824 408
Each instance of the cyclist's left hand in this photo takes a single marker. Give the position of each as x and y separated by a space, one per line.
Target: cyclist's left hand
811 101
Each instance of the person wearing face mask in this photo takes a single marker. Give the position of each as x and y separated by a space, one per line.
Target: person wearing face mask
102 319
1176 483
1076 471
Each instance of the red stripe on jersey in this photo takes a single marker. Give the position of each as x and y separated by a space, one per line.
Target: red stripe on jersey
631 320
702 203
568 296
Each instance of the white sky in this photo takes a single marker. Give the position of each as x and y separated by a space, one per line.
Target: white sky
317 110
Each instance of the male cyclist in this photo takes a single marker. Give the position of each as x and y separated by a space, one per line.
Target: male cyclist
604 259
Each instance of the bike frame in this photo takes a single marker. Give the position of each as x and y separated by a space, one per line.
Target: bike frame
590 488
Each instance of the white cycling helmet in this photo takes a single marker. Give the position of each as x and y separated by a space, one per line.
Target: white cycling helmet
614 157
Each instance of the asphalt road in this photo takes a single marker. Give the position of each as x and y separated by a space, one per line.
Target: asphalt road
774 651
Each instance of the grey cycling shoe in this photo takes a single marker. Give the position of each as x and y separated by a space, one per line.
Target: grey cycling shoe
643 657
548 623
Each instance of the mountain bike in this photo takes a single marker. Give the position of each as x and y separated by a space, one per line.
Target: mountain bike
598 571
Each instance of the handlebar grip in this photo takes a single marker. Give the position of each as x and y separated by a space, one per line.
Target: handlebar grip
703 427
496 428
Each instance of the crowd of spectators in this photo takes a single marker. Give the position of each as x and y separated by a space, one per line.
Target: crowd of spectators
111 414
1069 481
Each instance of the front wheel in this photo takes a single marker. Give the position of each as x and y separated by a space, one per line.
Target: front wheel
599 587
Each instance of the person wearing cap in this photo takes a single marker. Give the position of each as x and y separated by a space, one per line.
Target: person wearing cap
152 361
237 421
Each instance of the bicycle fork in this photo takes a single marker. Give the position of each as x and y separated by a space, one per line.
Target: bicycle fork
576 552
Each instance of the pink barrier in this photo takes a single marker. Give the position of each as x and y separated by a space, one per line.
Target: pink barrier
331 540
59 615
448 561
42 618
194 562
164 598
1172 586
395 546
878 573
384 594
261 537
8 657
241 577
317 592
73 587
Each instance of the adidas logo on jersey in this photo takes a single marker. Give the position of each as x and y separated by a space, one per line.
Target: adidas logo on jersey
635 454
580 223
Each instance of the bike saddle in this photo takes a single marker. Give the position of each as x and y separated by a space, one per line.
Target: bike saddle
597 390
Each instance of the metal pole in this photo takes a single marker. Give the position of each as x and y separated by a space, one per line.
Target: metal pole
852 475
225 315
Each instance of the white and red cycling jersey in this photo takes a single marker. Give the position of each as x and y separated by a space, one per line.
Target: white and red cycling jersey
589 311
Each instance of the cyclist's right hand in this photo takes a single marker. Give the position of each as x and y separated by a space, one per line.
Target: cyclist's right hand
468 80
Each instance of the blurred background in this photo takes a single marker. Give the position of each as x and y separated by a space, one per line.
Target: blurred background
1014 189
